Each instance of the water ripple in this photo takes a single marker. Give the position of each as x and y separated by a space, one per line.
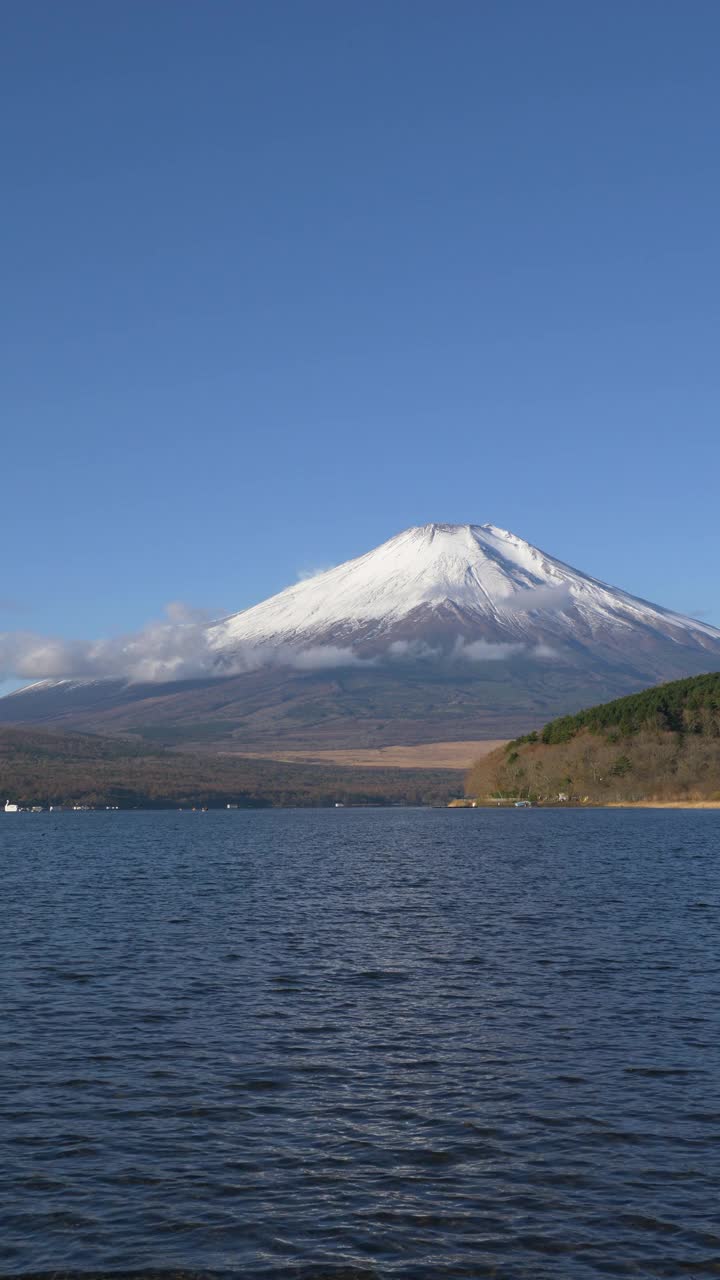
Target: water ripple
366 1045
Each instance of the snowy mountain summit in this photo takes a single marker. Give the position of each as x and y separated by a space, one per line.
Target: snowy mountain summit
441 584
446 632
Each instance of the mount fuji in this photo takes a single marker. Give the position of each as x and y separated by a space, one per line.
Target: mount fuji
448 582
444 632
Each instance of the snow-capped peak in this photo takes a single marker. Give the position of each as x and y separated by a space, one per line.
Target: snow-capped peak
432 606
481 573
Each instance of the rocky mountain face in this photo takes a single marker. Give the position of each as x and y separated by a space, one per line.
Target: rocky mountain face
443 632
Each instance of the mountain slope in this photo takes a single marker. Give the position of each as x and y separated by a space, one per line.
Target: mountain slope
444 632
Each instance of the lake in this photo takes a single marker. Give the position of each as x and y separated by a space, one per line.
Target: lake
360 1043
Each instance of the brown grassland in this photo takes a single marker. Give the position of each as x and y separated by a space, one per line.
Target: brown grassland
426 755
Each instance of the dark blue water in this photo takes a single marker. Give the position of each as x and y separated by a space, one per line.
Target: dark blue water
361 1043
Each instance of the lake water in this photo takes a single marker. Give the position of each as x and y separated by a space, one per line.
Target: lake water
361 1043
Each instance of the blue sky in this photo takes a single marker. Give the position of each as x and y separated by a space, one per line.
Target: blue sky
281 279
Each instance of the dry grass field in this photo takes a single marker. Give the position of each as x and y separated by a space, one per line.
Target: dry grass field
426 755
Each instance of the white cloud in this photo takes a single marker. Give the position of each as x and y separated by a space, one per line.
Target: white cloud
172 649
179 647
544 651
326 657
304 575
412 651
549 599
485 651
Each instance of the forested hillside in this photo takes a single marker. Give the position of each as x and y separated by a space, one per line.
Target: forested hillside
38 766
661 744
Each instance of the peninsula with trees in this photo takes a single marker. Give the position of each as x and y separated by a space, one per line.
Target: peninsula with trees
661 745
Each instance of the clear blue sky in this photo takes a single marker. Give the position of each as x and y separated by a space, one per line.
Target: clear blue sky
282 278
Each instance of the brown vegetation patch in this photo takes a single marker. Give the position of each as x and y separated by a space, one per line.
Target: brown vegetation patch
648 767
426 755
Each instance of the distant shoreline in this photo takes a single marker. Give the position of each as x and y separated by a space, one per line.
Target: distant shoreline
660 804
594 804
